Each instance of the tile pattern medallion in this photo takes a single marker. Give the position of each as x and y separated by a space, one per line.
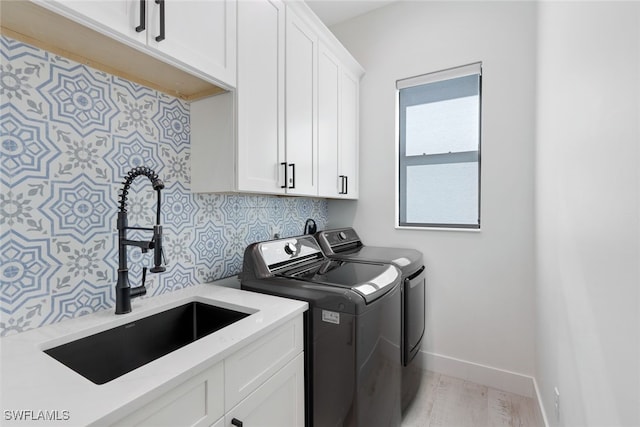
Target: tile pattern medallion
69 134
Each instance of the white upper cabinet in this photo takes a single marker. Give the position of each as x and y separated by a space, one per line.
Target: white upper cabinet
348 144
329 185
338 121
199 33
276 85
261 160
296 123
301 107
196 35
119 16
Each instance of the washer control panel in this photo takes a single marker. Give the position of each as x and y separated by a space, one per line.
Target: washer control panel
332 239
290 248
277 253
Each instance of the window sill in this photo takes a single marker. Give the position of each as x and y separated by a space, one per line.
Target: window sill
467 230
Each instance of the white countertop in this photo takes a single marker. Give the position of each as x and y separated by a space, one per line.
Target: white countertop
32 381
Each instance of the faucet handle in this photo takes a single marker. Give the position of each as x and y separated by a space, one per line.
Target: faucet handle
158 269
140 290
158 252
144 275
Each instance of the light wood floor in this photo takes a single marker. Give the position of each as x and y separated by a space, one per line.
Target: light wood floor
444 401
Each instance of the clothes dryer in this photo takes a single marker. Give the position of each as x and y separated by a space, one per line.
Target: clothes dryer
345 244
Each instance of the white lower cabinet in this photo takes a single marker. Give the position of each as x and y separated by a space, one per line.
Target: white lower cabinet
278 402
196 402
261 384
252 365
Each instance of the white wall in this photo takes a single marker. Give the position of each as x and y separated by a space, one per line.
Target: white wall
480 295
588 214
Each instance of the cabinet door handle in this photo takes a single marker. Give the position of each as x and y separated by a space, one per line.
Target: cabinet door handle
293 175
236 422
285 174
346 184
161 36
143 16
341 184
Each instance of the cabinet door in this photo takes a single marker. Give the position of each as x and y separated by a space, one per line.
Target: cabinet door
212 144
301 104
338 111
201 34
349 133
254 364
329 184
279 402
260 96
197 402
116 17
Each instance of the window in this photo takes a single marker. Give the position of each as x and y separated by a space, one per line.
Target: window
439 149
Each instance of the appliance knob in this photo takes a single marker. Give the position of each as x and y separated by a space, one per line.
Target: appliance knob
342 235
290 248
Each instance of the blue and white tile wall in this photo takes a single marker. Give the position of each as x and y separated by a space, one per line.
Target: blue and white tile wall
69 134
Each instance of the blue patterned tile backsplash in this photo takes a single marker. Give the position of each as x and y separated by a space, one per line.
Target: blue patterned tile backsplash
69 134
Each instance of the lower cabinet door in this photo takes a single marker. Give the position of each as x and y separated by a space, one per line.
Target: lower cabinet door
195 403
279 402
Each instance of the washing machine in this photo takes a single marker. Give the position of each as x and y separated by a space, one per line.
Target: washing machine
352 329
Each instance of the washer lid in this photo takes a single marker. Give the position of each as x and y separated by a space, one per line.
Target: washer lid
369 280
344 243
407 260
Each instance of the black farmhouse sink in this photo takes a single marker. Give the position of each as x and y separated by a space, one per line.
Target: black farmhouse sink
107 355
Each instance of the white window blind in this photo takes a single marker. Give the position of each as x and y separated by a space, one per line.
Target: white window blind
439 149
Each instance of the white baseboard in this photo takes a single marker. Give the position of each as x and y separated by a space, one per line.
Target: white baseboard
500 379
481 374
541 412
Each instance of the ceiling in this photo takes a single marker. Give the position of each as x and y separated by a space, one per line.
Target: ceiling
333 12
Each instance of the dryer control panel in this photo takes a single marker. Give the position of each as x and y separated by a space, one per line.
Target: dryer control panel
337 240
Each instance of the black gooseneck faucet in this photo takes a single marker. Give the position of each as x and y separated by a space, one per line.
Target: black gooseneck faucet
124 291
